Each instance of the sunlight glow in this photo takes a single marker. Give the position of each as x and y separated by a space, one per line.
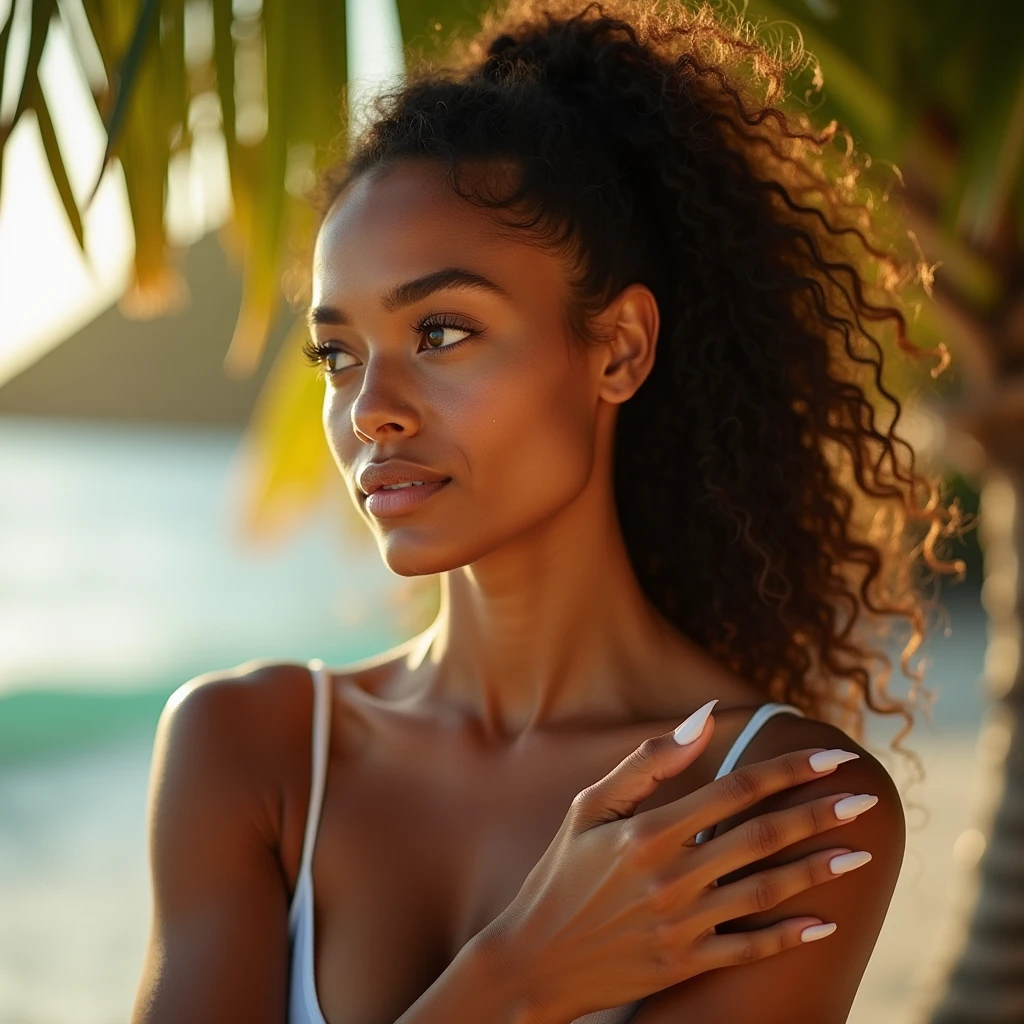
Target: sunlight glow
48 289
375 56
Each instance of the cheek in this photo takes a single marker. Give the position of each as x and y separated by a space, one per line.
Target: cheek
533 445
342 441
518 437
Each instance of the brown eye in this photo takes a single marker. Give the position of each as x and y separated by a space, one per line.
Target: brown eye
438 329
331 356
322 356
436 335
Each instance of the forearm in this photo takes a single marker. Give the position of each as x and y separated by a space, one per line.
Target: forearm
476 986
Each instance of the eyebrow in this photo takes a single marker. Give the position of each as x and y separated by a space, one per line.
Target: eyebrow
412 291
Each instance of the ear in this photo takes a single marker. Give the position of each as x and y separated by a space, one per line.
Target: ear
629 323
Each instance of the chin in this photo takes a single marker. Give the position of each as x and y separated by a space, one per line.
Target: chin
408 551
407 556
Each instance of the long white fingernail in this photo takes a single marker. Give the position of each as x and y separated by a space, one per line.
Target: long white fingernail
691 728
851 806
823 760
817 931
848 861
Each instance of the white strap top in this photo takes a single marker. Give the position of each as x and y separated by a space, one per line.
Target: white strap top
303 1005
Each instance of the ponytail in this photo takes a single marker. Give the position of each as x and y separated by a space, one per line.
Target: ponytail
749 465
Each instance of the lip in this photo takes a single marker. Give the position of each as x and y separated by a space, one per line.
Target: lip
375 475
385 504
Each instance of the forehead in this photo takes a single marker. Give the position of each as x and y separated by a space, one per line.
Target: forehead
399 224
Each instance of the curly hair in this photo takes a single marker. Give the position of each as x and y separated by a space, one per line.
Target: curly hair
773 514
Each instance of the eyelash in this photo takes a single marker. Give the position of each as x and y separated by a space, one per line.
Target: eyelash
316 352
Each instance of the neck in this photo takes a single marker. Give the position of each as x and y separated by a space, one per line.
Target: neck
551 629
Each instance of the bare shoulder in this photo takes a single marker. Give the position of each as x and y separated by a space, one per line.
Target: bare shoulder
240 703
255 720
228 795
785 733
259 714
263 708
240 737
249 717
881 831
816 982
219 897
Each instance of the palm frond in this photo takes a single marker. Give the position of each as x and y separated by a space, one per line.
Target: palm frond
143 38
57 168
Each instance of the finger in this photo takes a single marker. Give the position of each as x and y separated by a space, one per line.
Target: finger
637 776
738 948
735 792
766 889
767 833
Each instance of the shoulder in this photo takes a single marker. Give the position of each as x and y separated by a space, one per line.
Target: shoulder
238 709
234 732
817 981
219 901
882 828
783 733
263 707
221 734
235 697
248 730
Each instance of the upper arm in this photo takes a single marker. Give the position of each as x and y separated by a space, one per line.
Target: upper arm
814 983
217 947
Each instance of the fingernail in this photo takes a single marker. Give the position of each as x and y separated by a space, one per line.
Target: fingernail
817 931
823 760
854 805
690 728
848 861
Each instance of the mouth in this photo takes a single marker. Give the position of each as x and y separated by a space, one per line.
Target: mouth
401 498
404 486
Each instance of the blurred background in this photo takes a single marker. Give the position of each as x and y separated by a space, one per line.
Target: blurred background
167 502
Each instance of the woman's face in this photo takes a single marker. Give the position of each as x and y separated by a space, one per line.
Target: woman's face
476 383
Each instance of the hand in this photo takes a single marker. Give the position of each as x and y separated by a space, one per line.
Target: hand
622 905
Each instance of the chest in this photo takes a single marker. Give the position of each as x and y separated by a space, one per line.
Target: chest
408 866
413 857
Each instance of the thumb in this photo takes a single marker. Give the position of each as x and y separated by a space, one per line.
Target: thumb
636 777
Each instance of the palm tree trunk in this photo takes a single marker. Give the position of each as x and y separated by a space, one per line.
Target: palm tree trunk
978 976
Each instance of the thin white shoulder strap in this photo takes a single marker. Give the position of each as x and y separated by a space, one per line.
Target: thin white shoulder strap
756 720
321 734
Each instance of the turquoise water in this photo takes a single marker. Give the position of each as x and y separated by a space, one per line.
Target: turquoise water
121 577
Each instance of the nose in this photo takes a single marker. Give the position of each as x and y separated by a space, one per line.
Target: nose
381 408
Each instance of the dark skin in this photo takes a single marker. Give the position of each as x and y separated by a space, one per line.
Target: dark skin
454 758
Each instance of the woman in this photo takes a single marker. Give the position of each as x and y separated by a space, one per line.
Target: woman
594 358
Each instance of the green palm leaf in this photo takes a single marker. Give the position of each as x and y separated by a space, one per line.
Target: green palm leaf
5 36
143 39
57 169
